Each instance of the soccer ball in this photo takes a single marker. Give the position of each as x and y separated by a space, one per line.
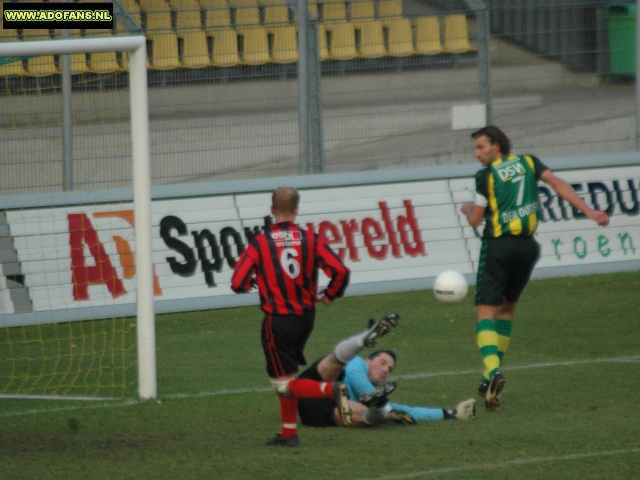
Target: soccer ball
450 287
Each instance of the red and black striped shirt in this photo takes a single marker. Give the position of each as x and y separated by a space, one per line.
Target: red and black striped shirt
283 261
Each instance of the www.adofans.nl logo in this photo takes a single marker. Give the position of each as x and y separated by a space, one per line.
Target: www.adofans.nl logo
57 15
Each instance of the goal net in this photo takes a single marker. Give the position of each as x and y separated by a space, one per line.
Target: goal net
76 290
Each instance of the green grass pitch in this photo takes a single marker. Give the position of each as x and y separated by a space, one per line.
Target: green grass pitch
571 407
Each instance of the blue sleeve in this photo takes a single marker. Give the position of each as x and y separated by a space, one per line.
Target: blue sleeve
421 413
356 377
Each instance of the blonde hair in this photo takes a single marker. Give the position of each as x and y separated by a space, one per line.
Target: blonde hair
285 200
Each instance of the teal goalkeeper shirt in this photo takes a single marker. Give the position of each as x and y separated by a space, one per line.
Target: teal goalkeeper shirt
356 377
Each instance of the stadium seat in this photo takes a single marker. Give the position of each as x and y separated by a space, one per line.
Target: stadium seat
247 12
371 39
428 36
217 13
134 10
285 44
78 60
456 34
255 42
312 6
192 38
188 15
224 47
12 68
44 65
195 51
362 14
400 37
154 5
104 62
323 49
334 10
161 40
389 9
121 56
362 10
163 50
276 12
158 15
343 40
15 67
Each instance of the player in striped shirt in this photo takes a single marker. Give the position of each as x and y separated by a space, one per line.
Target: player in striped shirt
507 201
283 262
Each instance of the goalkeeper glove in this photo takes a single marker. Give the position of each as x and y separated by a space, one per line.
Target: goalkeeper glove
466 410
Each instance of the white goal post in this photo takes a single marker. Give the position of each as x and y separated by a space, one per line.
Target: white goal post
136 46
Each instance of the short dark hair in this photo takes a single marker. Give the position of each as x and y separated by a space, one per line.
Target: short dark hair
285 200
495 135
391 353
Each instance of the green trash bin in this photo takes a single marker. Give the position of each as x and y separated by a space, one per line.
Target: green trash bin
621 26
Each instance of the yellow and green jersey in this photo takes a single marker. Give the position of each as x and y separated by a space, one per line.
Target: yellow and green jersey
508 188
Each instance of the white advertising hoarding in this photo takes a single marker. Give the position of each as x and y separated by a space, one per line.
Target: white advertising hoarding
81 256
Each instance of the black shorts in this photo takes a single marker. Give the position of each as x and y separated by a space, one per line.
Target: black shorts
316 412
283 340
504 268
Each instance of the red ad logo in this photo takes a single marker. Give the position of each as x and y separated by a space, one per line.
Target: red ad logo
81 233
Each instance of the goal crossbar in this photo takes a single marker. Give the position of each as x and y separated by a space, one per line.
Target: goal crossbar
136 46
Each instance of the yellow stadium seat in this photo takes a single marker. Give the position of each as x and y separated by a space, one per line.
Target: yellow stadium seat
158 15
312 6
217 13
224 51
276 15
333 10
285 44
428 36
78 60
389 9
122 57
154 5
362 10
323 48
371 39
104 62
247 12
343 40
362 14
400 37
163 52
9 35
17 66
44 65
456 34
194 52
134 10
188 15
255 49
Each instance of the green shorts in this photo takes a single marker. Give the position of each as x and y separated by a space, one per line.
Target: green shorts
504 268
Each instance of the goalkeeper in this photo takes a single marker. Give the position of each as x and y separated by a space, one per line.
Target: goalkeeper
368 383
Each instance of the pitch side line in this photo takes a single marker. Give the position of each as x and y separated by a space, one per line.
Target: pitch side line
508 463
174 396
34 411
17 396
631 359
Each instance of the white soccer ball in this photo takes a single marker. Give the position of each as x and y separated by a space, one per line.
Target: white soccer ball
450 287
